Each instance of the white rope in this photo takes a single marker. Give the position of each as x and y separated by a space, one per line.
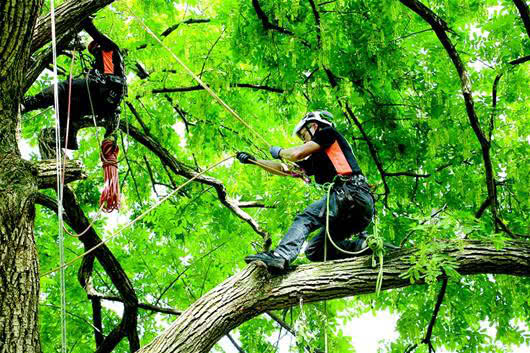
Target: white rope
59 184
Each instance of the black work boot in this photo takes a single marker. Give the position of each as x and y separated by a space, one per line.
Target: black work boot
272 261
362 242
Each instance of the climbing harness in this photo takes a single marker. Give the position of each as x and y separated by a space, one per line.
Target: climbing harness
118 232
328 235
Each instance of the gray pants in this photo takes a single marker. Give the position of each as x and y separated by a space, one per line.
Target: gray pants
341 229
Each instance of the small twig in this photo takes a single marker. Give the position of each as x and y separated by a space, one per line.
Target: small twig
441 295
190 21
200 88
435 214
210 51
137 116
144 306
411 34
79 318
150 172
239 349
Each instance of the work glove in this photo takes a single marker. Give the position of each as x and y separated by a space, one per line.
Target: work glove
244 157
275 152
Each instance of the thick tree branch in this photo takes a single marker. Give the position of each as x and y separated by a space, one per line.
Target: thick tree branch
47 172
145 306
190 21
77 220
254 291
317 21
483 207
520 60
98 324
525 14
112 339
494 93
68 17
267 25
441 295
44 59
371 148
199 88
493 104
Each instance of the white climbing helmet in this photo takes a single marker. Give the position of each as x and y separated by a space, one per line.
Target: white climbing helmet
320 116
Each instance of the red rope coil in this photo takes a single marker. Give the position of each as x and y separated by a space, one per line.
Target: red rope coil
110 197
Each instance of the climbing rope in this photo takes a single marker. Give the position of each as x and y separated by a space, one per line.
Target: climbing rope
118 232
377 243
198 79
68 111
212 93
59 184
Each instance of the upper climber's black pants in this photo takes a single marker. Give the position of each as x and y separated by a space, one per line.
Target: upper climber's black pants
105 96
345 219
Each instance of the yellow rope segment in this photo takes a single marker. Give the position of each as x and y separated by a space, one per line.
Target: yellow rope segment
113 235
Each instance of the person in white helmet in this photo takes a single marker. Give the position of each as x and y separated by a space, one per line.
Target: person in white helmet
328 157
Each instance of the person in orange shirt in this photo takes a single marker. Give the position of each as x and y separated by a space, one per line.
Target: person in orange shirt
103 88
328 157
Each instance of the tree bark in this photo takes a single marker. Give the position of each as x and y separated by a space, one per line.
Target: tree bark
68 16
47 172
254 291
19 267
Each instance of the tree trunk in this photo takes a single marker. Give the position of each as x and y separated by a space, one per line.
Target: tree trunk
69 14
254 291
19 268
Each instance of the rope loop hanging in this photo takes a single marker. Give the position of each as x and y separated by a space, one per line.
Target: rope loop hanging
110 196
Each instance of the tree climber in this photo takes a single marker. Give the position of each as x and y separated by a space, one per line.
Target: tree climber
100 92
328 156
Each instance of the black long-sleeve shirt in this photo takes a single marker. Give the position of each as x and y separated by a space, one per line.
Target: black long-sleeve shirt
109 59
